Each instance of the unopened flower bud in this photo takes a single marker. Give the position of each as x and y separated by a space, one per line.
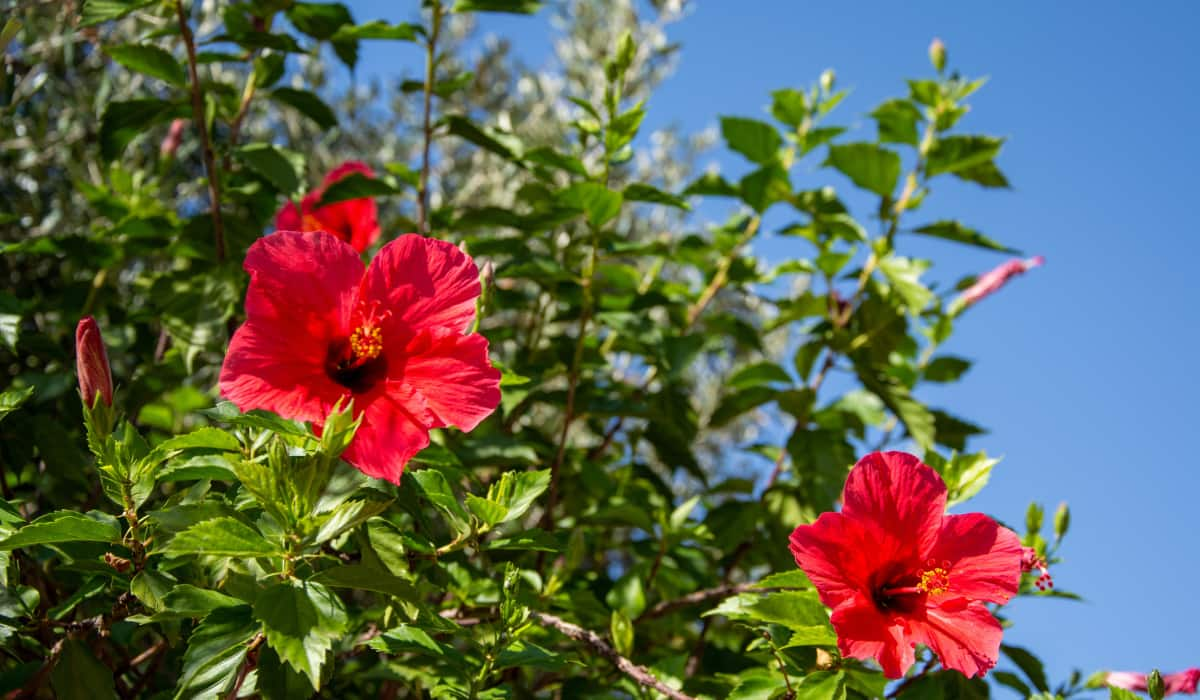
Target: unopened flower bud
990 282
1154 685
487 276
91 363
827 79
174 137
937 54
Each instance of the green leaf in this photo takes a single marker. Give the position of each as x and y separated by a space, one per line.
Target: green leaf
523 654
822 685
319 20
65 526
957 153
124 121
955 231
489 512
378 29
533 540
12 399
366 578
712 185
308 104
464 128
904 275
638 192
869 166
764 187
789 106
599 203
189 601
946 368
79 675
1029 664
151 60
276 165
203 438
758 141
357 186
215 653
627 596
99 11
517 491
224 536
1115 693
918 419
523 7
758 374
897 121
436 489
301 622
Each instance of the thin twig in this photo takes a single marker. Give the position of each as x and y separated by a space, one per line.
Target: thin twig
210 163
641 674
427 119
717 592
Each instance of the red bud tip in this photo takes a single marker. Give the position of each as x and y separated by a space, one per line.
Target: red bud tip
91 363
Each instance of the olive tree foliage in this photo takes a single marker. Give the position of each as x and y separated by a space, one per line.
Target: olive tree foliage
619 526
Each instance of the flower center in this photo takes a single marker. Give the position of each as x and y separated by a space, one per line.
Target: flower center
934 581
311 223
358 362
366 342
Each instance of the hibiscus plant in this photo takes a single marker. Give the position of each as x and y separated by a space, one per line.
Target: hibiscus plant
355 425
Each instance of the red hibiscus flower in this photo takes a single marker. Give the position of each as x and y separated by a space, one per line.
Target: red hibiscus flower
897 571
355 221
1182 682
320 328
991 281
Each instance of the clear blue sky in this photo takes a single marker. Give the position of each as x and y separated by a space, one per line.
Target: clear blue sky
1086 373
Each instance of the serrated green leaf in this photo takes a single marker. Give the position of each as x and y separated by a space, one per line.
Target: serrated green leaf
756 140
215 653
599 203
366 578
12 399
276 165
151 60
227 537
357 186
65 526
957 153
308 104
99 11
301 621
79 675
955 231
869 166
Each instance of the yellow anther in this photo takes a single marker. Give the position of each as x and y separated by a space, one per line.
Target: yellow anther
934 581
366 343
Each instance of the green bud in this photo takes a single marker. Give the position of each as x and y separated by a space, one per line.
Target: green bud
1154 685
827 80
937 55
1062 520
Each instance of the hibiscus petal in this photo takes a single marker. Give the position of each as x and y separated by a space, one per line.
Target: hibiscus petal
355 221
836 557
965 637
900 496
865 633
307 282
984 558
453 376
289 218
425 283
262 371
391 432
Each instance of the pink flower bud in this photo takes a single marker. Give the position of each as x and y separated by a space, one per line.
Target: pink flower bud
91 363
174 137
991 281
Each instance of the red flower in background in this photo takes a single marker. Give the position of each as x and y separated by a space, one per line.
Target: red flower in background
392 337
897 571
355 221
1182 682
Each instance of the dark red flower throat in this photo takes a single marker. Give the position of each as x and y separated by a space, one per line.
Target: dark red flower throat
901 590
358 362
